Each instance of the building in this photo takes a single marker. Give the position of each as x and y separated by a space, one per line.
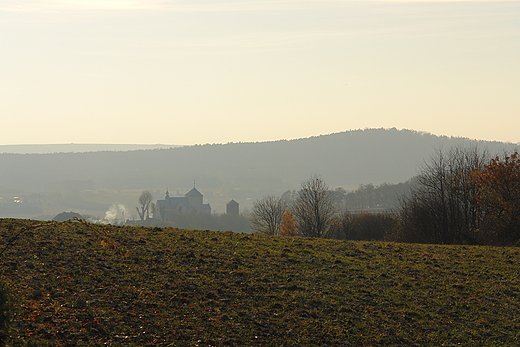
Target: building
232 207
190 203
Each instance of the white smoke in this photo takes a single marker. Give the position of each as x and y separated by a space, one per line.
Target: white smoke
117 214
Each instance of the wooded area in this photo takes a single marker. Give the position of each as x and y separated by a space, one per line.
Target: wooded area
461 196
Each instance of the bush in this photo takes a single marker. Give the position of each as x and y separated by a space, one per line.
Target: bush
365 226
498 197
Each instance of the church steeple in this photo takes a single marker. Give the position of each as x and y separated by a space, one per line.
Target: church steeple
167 196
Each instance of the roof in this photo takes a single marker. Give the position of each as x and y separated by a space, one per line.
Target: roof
232 202
193 192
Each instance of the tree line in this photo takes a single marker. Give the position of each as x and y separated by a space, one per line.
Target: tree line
461 196
464 196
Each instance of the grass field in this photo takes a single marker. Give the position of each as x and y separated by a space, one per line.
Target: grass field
80 284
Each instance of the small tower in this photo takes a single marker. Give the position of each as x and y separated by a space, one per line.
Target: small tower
232 207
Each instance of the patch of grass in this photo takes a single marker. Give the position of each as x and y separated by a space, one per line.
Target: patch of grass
93 285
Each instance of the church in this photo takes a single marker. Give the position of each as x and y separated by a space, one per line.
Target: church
190 203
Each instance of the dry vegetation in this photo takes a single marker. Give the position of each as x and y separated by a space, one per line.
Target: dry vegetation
79 284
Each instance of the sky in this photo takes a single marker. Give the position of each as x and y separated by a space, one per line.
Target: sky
197 72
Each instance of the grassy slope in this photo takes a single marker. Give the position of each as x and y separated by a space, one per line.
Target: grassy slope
88 285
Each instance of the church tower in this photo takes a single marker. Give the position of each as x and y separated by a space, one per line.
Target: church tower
195 200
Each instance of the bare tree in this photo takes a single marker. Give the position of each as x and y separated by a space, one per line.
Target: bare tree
314 208
267 215
442 208
145 200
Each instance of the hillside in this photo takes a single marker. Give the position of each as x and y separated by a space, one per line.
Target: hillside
39 186
90 285
344 159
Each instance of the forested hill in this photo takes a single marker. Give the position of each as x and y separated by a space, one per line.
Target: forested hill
344 159
76 148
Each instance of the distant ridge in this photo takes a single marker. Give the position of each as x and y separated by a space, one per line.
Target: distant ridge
76 148
344 159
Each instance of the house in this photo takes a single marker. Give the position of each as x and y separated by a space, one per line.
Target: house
190 203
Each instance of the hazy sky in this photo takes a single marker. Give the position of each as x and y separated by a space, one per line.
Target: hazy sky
187 72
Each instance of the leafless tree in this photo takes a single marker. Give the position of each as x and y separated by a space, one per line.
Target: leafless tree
314 208
145 200
442 208
267 215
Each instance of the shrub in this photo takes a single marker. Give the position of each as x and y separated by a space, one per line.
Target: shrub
365 226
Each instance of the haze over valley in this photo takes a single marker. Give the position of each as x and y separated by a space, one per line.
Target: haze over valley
108 183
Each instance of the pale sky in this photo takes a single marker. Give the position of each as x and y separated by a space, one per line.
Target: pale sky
195 72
